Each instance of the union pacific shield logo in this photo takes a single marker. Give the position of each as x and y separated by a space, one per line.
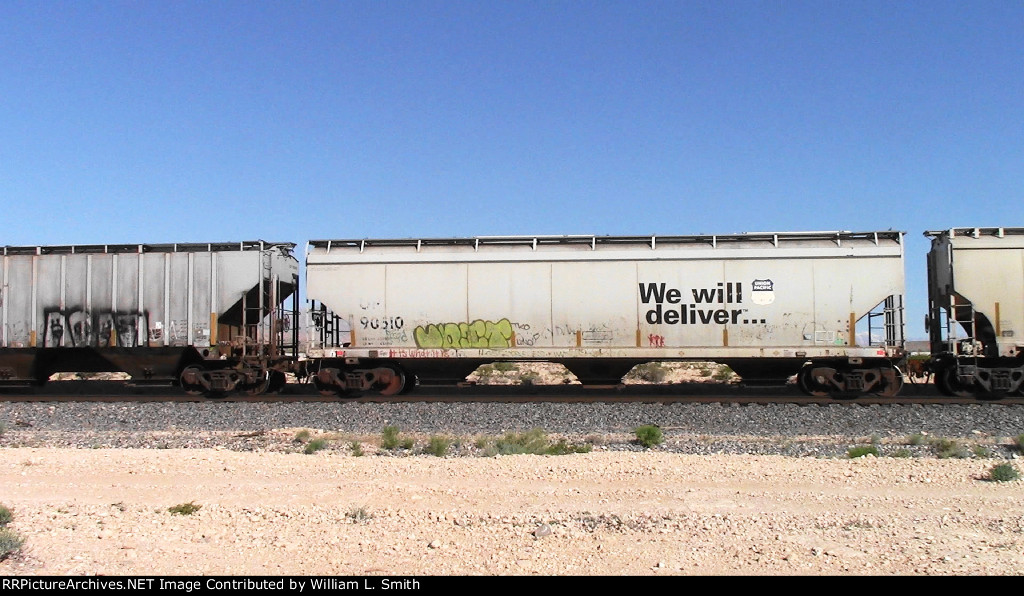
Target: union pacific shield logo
763 291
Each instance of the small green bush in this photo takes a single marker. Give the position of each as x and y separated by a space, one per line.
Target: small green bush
314 446
504 366
724 374
408 443
6 516
529 378
533 442
357 449
652 372
438 445
902 453
10 542
1004 472
389 437
916 439
185 508
861 451
948 448
302 436
564 448
649 435
1018 441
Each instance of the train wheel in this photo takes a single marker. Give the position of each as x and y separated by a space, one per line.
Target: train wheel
395 385
324 389
191 388
949 384
808 384
329 390
893 389
260 387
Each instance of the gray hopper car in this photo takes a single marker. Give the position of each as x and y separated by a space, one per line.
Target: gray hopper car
976 310
207 316
825 306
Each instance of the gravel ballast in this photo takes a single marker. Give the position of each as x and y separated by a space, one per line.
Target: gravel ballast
754 489
785 429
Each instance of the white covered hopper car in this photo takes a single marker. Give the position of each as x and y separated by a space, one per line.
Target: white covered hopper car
826 306
207 316
976 310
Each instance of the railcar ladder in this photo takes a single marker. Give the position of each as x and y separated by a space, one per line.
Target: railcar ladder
329 326
892 323
960 335
258 319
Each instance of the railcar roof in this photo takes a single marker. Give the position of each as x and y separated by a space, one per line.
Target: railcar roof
245 245
975 232
710 239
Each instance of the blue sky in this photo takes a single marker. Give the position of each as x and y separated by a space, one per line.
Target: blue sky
210 121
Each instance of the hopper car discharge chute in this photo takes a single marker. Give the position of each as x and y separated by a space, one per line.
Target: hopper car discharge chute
975 317
824 306
210 317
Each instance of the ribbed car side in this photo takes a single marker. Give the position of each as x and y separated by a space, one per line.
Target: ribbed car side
207 316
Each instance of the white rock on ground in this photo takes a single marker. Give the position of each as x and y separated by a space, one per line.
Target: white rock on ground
105 511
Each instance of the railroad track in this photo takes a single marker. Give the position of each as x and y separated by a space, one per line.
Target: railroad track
115 391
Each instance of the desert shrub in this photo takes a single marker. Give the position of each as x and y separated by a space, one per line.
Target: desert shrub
185 508
6 515
504 366
359 514
1018 442
533 442
438 445
314 446
357 448
564 448
302 436
10 542
649 435
724 374
408 443
389 437
902 453
528 378
1004 472
916 439
861 451
948 448
652 372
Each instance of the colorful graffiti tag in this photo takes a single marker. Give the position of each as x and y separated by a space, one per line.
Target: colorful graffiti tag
478 334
